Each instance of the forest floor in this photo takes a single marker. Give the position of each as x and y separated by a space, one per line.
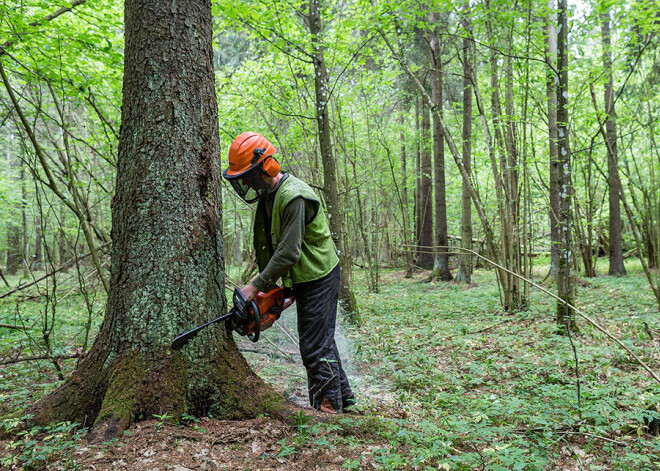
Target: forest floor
445 380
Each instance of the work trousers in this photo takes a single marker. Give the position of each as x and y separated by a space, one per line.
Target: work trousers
317 314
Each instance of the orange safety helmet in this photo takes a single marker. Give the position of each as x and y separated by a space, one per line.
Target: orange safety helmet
249 150
249 153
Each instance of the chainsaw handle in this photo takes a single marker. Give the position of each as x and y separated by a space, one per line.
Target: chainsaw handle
288 301
257 322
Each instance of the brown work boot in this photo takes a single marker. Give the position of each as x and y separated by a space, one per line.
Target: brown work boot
327 407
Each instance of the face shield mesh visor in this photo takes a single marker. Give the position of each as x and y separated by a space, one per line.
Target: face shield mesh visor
250 186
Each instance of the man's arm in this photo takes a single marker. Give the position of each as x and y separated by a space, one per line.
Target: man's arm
288 250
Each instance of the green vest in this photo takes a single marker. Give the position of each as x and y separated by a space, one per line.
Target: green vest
318 252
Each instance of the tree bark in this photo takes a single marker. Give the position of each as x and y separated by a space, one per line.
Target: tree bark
464 274
441 258
13 260
25 239
552 81
331 188
418 177
565 315
63 253
167 269
404 198
38 257
425 259
13 248
614 183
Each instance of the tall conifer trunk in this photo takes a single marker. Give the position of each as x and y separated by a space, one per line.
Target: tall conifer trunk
167 270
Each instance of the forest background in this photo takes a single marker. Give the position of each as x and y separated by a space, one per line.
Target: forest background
514 137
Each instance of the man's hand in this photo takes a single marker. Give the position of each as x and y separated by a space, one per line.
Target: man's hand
249 291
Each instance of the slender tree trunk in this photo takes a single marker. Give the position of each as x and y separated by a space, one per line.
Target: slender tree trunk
614 184
25 239
441 258
13 248
38 258
506 176
565 315
418 176
167 270
346 296
552 80
425 259
404 198
63 254
13 260
465 259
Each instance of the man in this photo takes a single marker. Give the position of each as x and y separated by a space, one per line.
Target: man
292 241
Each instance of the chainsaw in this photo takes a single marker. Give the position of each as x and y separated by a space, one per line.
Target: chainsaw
246 318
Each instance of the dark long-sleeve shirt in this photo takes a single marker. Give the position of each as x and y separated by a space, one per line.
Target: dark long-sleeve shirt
295 216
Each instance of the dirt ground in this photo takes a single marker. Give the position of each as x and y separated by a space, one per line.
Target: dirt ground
213 445
259 444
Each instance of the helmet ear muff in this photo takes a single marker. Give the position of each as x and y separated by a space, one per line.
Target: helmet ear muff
270 166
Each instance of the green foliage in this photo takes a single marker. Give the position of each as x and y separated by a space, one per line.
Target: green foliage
35 447
506 398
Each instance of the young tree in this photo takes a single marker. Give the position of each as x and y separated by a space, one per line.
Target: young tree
167 270
425 258
404 198
464 274
551 83
346 296
614 184
565 315
13 260
441 259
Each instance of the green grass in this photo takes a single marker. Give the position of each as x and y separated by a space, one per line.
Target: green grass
447 379
506 397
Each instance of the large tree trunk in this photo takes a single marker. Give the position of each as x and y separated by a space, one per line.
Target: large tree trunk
425 259
346 296
614 184
565 315
167 270
464 274
441 259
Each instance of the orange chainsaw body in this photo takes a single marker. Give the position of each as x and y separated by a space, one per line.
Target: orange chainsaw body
270 304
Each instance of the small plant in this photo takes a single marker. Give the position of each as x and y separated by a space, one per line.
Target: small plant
31 450
189 418
162 418
301 421
285 450
351 464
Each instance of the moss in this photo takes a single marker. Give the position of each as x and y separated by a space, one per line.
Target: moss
139 388
238 392
120 403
